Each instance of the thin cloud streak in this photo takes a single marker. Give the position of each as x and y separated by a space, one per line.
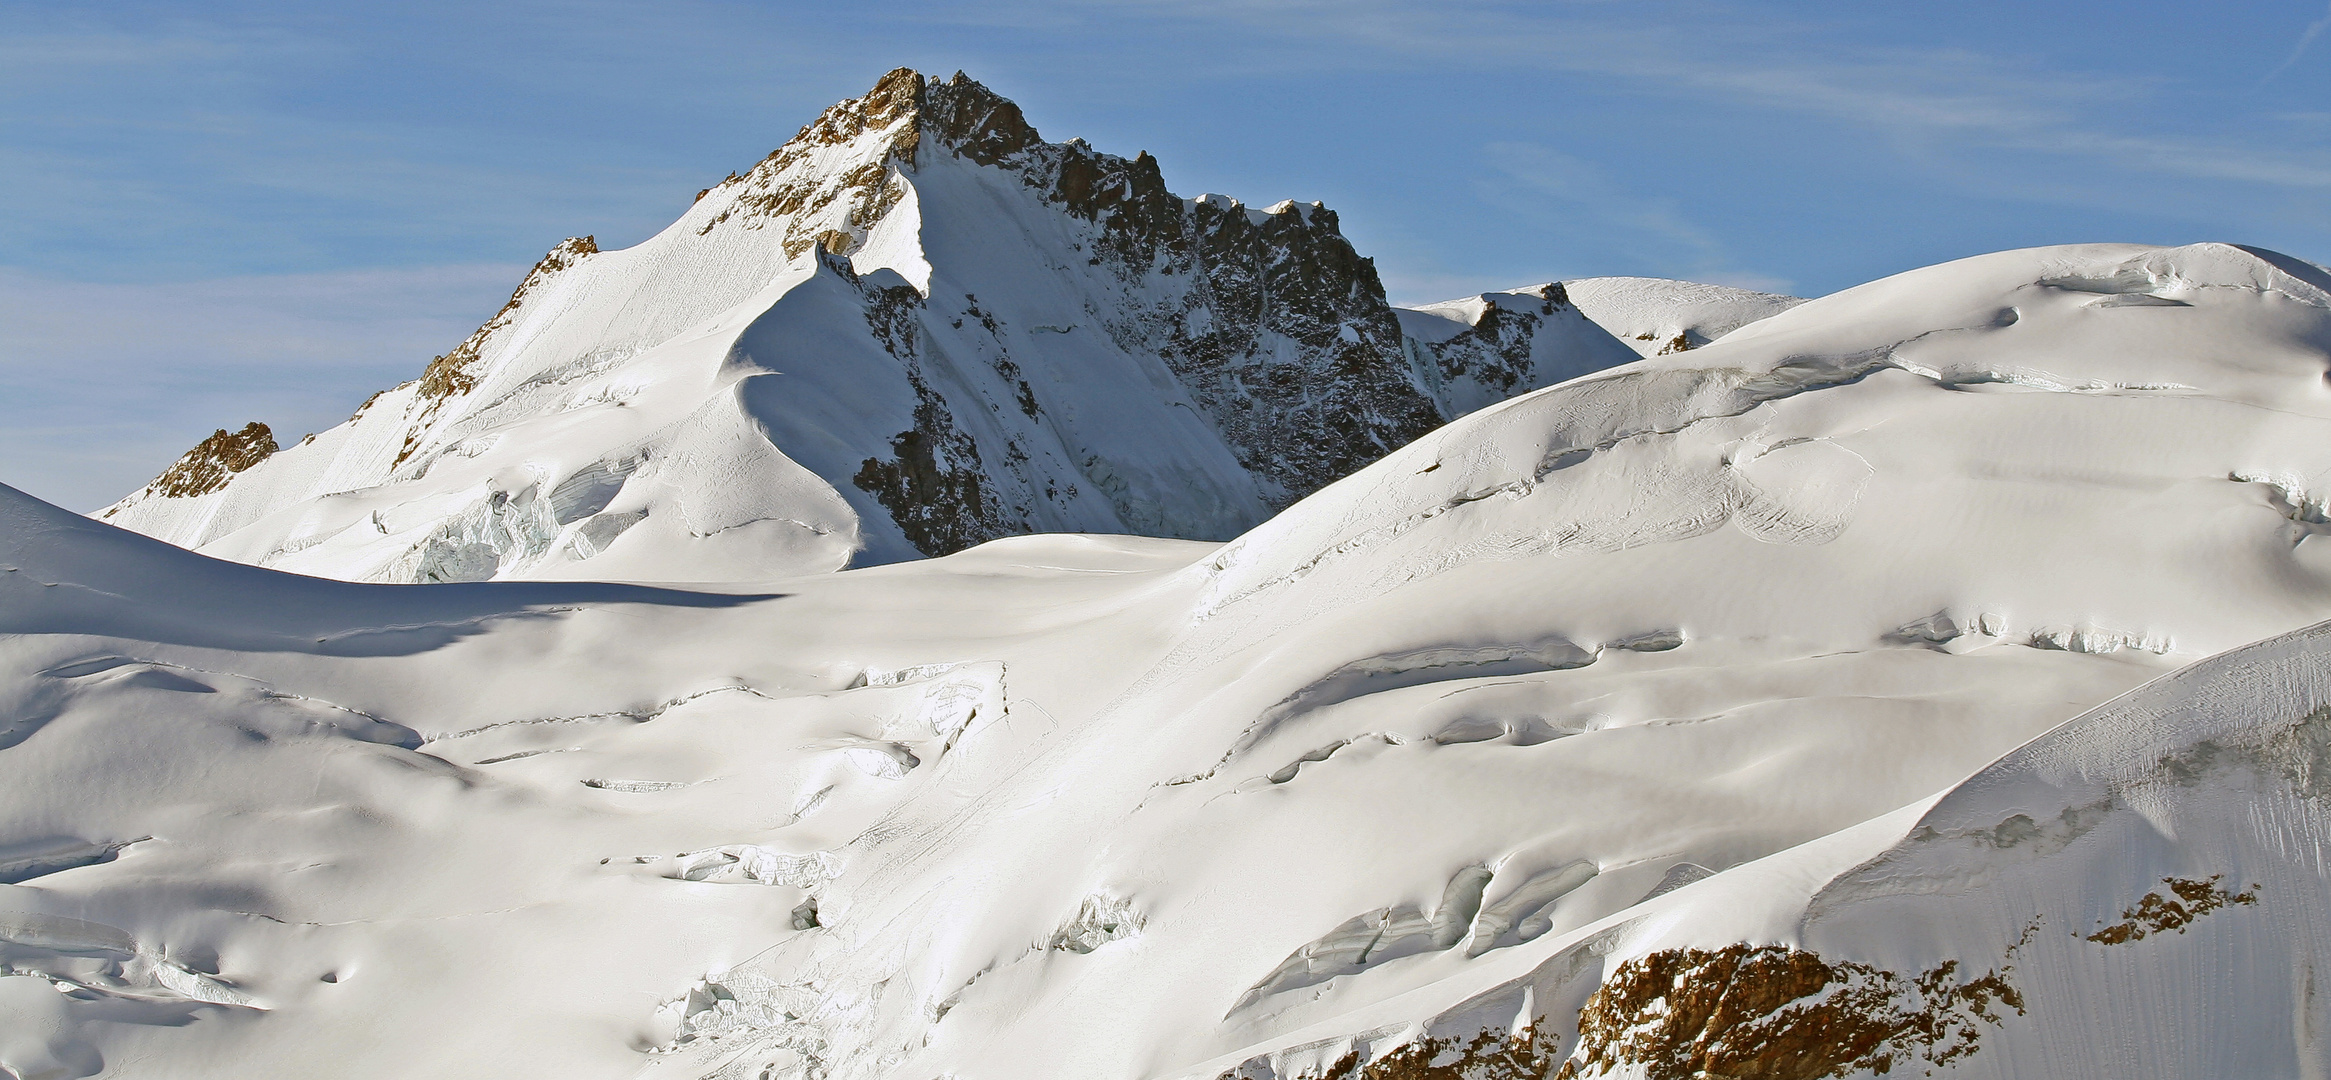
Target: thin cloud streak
1555 189
2314 30
1913 94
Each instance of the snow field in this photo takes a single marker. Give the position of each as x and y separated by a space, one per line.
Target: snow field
1756 654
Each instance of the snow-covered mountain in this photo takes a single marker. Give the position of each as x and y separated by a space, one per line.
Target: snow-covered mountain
914 327
1759 709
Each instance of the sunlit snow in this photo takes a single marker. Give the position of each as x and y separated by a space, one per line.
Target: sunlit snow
1927 677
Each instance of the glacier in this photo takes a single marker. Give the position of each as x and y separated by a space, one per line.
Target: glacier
1930 676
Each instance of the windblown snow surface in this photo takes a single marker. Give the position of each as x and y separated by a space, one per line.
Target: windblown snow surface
1922 679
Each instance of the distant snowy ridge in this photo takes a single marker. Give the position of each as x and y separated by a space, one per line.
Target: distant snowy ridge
1476 351
1655 316
914 327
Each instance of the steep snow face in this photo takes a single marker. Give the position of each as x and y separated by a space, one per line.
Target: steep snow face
1569 717
1655 316
915 327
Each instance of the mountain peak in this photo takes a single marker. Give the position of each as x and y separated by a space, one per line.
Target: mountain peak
960 112
915 327
853 152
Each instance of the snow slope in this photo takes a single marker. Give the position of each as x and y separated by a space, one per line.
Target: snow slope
2141 891
915 327
1627 684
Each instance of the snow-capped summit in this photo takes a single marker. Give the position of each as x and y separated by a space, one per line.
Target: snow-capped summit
913 327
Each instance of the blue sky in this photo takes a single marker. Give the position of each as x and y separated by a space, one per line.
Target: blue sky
230 211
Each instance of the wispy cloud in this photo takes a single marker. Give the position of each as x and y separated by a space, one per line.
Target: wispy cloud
1557 191
2298 49
1540 182
1715 55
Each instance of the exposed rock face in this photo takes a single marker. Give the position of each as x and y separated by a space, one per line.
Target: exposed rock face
1773 1011
1343 398
914 327
1528 1054
2157 914
1495 350
1275 325
214 461
1483 349
932 483
789 191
